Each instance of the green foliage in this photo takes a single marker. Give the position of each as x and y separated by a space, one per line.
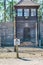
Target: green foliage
7 11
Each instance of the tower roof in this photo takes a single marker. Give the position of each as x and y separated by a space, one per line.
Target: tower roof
27 3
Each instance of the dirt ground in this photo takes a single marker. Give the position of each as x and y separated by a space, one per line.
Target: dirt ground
29 56
24 52
22 61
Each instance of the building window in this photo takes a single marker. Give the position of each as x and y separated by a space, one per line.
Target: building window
19 12
26 12
33 12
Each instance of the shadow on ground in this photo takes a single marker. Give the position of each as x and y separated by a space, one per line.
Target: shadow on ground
24 59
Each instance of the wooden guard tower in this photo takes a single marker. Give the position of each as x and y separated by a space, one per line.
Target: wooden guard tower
27 21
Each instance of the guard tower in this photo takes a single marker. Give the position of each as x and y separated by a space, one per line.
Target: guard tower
27 21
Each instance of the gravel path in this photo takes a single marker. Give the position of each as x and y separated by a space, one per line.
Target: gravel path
21 61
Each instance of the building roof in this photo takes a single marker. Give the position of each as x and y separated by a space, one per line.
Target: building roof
27 3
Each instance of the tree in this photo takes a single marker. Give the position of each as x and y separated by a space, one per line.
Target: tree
10 10
4 10
1 11
7 10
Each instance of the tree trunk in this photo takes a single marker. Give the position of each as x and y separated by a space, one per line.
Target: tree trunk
4 10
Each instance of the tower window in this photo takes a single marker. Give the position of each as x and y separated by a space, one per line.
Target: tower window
26 12
33 12
19 12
